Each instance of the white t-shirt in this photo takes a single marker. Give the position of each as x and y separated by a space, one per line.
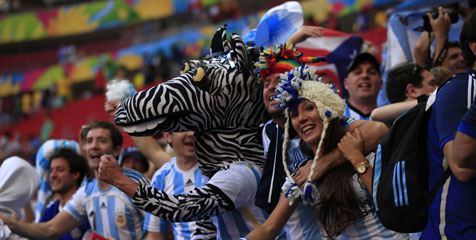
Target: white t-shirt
18 183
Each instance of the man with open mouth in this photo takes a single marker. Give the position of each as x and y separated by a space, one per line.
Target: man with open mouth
110 212
363 83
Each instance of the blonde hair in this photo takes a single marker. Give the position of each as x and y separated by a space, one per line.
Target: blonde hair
441 74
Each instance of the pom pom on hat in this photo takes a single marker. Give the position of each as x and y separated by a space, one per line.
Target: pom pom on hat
281 58
291 191
310 193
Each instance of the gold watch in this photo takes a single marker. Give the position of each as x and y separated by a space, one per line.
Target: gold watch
361 167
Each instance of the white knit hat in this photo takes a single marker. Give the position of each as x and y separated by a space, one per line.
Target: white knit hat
296 85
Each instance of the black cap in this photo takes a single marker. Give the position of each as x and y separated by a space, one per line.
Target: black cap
364 57
134 152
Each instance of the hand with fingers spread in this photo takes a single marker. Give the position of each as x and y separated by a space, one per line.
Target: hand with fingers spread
304 33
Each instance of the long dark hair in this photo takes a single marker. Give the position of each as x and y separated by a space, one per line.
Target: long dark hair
467 35
338 204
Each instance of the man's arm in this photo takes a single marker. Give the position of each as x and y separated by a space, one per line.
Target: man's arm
304 33
152 150
441 27
464 151
371 131
275 222
111 173
421 46
464 147
213 198
156 236
147 145
462 174
391 111
53 229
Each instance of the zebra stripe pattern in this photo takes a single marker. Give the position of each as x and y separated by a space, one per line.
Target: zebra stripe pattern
205 230
224 109
201 203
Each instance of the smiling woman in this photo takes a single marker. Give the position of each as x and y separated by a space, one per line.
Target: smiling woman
307 123
314 112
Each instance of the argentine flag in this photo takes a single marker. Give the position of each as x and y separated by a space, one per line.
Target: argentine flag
277 25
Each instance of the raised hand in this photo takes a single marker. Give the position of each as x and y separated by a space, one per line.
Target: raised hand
110 172
441 24
111 107
304 33
109 169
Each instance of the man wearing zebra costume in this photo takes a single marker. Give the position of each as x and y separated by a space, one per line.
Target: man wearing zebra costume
219 99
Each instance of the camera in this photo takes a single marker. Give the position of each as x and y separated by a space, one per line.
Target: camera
254 53
453 14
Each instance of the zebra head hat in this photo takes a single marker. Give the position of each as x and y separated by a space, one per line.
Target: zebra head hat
295 86
280 59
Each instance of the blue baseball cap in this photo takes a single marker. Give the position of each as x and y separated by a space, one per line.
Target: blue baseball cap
364 57
134 152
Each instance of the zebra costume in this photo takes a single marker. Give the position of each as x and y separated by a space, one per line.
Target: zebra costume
219 99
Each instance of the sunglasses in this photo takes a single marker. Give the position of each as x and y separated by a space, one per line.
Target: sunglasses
414 72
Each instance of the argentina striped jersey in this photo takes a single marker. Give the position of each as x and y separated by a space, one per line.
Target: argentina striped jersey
239 183
171 179
110 212
354 113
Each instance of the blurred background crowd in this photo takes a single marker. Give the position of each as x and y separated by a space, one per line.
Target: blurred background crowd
56 56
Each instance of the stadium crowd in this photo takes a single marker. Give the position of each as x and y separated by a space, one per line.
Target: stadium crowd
256 143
